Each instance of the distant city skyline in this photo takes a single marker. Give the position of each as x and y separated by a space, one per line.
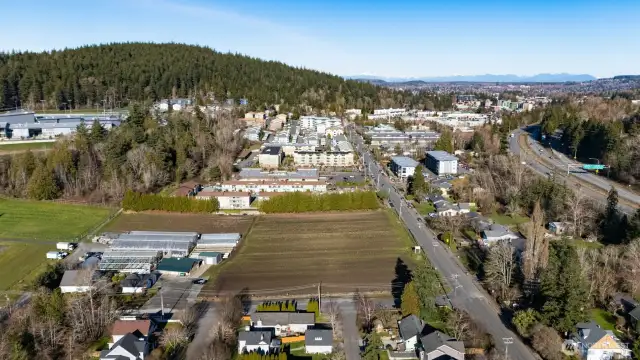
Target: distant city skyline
401 38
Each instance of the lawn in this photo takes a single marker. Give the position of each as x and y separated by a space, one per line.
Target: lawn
293 253
18 146
604 318
425 208
23 219
507 220
21 262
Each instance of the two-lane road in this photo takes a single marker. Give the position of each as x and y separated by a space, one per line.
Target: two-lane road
465 293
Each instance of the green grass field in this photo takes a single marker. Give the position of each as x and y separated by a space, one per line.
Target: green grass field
20 262
425 208
13 146
508 220
23 219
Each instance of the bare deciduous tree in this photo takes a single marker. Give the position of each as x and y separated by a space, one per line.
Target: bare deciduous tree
333 314
536 253
631 267
459 324
366 310
499 268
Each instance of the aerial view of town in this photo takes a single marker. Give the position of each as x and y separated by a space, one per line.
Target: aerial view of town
201 180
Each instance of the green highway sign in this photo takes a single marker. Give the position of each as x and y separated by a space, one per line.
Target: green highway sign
593 167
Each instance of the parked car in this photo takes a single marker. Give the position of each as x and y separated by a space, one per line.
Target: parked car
199 281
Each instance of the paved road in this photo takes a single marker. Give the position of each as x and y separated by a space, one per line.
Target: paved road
467 294
560 168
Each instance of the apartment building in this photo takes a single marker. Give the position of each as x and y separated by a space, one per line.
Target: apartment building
270 157
261 186
227 199
323 158
441 162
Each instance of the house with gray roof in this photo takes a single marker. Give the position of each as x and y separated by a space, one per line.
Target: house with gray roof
591 342
438 345
410 329
261 341
497 233
127 347
283 322
318 341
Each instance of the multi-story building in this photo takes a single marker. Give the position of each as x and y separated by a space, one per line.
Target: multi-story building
441 162
403 166
323 158
260 186
270 157
227 199
252 174
252 134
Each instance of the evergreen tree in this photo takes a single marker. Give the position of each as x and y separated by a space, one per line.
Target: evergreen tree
633 230
563 289
418 186
373 348
445 142
42 185
410 303
98 132
611 224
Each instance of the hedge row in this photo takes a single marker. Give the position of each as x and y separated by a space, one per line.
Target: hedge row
298 202
141 202
284 306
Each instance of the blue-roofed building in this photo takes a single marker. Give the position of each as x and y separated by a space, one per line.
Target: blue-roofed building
403 166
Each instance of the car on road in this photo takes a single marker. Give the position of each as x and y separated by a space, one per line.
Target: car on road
199 281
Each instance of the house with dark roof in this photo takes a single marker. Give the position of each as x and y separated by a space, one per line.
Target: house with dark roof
127 347
440 346
497 233
137 283
283 322
318 341
261 341
591 342
634 316
410 329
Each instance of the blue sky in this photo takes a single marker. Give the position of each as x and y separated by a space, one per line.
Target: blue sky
401 38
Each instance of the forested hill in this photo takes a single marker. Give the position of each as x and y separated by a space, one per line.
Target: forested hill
86 76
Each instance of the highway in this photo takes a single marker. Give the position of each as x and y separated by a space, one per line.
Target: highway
466 294
555 162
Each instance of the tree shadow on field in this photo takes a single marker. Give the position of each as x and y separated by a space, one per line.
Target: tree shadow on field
402 277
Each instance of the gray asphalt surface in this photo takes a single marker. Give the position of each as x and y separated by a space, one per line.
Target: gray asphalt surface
561 168
468 295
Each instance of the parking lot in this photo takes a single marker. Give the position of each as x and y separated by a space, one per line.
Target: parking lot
336 177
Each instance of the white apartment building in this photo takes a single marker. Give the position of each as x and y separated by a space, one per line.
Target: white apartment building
252 134
270 157
333 131
274 186
312 122
441 162
390 112
228 200
323 158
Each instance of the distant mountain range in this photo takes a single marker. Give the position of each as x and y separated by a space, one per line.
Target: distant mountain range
509 78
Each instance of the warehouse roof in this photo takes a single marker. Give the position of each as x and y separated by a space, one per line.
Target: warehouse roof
220 236
210 254
441 155
404 161
183 265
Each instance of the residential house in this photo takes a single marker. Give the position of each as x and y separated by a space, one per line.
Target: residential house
410 329
464 208
140 329
558 227
260 341
137 283
443 186
634 316
283 322
593 343
496 233
445 208
128 347
318 341
438 345
76 281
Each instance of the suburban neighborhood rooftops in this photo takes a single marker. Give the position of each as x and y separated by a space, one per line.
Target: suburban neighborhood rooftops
183 265
437 339
255 337
138 328
404 161
271 150
441 155
318 337
410 326
283 318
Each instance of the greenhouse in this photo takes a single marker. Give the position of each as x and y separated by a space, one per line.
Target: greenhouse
141 262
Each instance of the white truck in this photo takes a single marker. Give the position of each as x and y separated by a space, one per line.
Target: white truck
56 255
65 246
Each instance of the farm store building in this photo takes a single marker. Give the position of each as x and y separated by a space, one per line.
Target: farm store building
210 257
224 243
171 244
141 262
178 267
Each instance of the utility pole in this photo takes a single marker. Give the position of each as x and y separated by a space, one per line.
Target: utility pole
161 302
507 341
319 298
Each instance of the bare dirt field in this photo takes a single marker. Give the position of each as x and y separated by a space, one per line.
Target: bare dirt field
201 223
292 253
